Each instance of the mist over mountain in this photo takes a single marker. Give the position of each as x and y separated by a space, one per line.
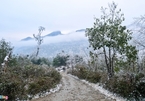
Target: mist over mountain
54 43
54 33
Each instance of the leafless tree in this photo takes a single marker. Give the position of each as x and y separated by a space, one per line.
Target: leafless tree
140 40
140 29
39 39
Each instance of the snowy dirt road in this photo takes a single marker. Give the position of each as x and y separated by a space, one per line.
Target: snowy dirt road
74 90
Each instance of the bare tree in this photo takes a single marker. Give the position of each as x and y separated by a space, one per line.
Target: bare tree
140 29
140 41
39 38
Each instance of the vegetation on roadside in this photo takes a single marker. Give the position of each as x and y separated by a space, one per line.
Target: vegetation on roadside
25 77
22 83
129 86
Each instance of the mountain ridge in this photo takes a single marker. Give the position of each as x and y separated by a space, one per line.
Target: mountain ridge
52 34
27 39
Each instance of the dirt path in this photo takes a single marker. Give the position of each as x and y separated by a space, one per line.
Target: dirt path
74 90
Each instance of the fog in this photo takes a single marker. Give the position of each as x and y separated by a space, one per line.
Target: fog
72 36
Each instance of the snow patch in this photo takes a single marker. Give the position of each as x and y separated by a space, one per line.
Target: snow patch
53 90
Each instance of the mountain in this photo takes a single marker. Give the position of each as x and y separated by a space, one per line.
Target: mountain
55 33
27 39
81 30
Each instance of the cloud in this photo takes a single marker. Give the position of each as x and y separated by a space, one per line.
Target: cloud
23 17
71 37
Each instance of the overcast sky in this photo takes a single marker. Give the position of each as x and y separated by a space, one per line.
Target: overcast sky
21 18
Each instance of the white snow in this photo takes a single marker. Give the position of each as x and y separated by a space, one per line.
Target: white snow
2 64
53 90
6 58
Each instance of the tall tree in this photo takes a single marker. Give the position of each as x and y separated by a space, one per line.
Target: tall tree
39 38
109 35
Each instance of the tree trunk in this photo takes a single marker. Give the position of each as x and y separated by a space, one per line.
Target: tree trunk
106 61
37 51
110 64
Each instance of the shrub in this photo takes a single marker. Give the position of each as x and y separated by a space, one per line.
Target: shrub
40 61
80 72
33 88
111 84
40 86
141 89
93 77
55 75
43 84
139 76
60 60
19 82
83 73
12 86
104 78
127 87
